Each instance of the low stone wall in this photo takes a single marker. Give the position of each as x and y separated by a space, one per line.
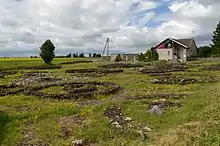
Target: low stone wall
209 59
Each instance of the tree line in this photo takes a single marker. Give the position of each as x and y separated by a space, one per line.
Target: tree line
212 50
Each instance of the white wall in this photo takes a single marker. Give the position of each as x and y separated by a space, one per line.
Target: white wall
165 54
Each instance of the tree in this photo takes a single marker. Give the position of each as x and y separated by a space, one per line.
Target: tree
204 51
216 41
47 51
90 55
98 55
68 55
75 55
118 58
141 57
94 55
81 55
152 55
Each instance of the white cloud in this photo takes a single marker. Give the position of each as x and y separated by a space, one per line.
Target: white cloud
84 25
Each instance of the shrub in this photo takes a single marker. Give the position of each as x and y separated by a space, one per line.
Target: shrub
98 55
47 51
142 57
81 55
204 51
152 55
118 58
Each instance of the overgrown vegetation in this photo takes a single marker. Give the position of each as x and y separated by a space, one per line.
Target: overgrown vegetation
150 55
204 51
126 117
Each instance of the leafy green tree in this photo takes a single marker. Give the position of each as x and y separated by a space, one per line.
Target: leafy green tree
142 57
118 58
152 55
216 41
90 55
204 51
98 55
68 55
47 51
94 55
81 55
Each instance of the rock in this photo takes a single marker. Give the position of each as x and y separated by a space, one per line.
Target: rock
156 110
118 126
79 142
141 69
143 134
159 101
127 119
146 129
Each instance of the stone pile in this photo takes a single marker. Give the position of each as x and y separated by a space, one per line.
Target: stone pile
94 70
181 80
121 65
215 67
164 67
75 90
114 115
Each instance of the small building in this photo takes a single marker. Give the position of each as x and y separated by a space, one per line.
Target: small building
125 57
176 49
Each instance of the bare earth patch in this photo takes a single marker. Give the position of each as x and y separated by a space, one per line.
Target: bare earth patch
67 123
29 137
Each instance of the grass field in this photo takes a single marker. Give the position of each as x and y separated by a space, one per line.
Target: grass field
53 122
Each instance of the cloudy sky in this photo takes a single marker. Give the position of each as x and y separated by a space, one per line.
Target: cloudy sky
84 25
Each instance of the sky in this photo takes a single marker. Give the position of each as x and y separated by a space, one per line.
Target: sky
84 25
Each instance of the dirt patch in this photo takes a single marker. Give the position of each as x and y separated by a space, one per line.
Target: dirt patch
94 70
81 90
29 137
76 62
69 121
121 65
164 67
91 102
211 68
65 133
22 108
52 66
181 80
159 74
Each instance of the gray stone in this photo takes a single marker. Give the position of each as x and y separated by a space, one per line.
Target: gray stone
146 129
156 110
78 142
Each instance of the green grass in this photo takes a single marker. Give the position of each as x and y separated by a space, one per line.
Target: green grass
196 123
